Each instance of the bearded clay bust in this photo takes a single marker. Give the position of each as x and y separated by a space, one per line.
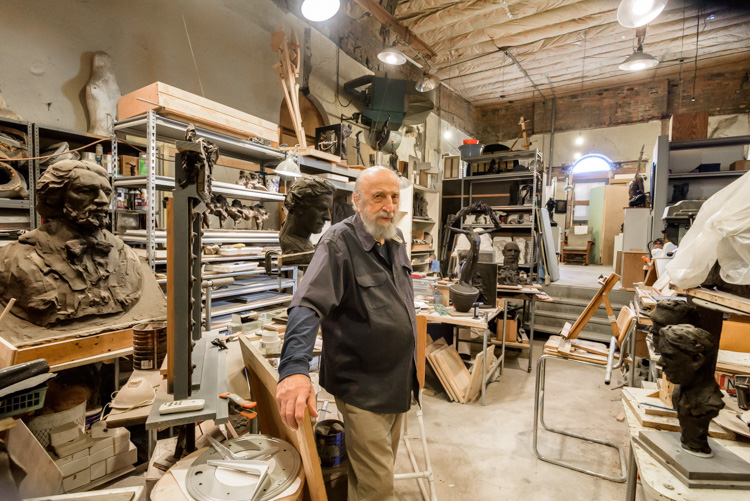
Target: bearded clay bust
688 358
308 204
70 267
508 273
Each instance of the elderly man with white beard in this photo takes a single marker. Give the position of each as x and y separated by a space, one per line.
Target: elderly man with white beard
358 291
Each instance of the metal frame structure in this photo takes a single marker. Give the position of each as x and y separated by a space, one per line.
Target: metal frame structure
541 369
535 160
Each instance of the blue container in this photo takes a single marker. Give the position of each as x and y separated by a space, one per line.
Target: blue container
329 439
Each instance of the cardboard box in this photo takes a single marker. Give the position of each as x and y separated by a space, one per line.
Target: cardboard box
735 334
665 391
188 107
688 126
98 470
511 332
740 165
122 460
451 167
76 480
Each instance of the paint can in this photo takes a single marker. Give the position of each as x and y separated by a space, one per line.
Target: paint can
149 345
329 440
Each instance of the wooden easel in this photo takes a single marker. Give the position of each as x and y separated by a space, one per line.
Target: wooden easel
607 284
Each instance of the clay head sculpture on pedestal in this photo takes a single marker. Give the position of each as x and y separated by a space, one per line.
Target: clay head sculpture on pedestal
71 267
688 356
671 312
308 204
508 273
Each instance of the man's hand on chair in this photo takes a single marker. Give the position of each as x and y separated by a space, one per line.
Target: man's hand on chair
293 394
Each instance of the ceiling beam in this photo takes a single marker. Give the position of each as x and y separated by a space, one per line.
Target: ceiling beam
385 18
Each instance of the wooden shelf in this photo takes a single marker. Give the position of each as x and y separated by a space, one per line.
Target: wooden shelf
705 175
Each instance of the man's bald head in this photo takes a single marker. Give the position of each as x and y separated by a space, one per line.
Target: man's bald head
376 198
370 175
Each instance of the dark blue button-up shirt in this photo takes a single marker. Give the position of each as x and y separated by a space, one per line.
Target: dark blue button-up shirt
364 305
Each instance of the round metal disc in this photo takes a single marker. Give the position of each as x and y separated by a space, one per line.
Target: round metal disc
205 483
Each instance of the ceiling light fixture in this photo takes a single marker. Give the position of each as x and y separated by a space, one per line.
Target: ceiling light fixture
579 139
636 13
577 155
426 83
392 56
320 10
639 60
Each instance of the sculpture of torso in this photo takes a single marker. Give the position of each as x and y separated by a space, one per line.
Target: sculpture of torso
56 273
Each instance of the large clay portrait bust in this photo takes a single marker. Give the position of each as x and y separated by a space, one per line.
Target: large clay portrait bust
71 267
308 204
688 356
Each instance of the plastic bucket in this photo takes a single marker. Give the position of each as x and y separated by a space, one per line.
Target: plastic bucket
470 150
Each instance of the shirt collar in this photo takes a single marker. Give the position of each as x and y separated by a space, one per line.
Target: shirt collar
367 240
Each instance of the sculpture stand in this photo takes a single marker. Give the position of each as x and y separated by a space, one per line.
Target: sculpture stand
725 470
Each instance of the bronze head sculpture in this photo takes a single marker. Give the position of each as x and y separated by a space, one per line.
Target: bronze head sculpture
508 273
688 357
70 267
308 204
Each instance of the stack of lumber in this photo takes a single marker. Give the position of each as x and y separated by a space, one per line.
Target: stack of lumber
645 295
175 103
288 70
460 384
577 349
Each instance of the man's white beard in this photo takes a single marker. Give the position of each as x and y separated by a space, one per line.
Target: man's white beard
378 231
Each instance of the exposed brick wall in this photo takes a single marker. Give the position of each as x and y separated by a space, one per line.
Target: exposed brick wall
721 90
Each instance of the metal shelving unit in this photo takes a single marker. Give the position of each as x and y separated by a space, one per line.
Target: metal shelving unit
533 159
252 289
28 170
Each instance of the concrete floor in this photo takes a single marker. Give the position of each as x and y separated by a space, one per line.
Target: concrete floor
485 453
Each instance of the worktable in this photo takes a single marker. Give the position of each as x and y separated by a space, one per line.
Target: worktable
659 483
477 323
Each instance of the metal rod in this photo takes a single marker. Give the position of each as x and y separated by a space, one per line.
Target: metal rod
510 55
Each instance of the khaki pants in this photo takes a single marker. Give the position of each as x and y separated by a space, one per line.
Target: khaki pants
371 446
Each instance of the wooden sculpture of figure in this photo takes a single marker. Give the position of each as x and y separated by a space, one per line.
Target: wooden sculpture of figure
70 267
102 94
308 204
688 358
508 273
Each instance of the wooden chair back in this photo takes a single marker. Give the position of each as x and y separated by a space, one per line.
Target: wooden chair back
624 322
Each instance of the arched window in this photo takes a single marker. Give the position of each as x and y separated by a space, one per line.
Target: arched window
592 163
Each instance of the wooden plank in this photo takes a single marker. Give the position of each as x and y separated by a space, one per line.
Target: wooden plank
632 269
43 478
445 379
688 126
633 397
421 348
321 155
263 387
457 371
590 346
719 297
68 350
552 347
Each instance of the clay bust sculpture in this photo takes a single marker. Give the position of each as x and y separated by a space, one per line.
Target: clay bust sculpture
308 204
70 267
508 274
688 356
671 312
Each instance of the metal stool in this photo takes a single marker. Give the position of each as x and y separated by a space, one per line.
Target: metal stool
541 368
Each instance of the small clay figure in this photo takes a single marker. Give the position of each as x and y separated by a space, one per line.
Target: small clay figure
70 267
308 204
420 205
243 180
258 214
236 212
688 356
551 205
345 133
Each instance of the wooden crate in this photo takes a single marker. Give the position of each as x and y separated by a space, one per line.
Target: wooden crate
179 104
451 167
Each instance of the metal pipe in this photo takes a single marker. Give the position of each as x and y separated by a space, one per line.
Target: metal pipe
508 53
552 140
